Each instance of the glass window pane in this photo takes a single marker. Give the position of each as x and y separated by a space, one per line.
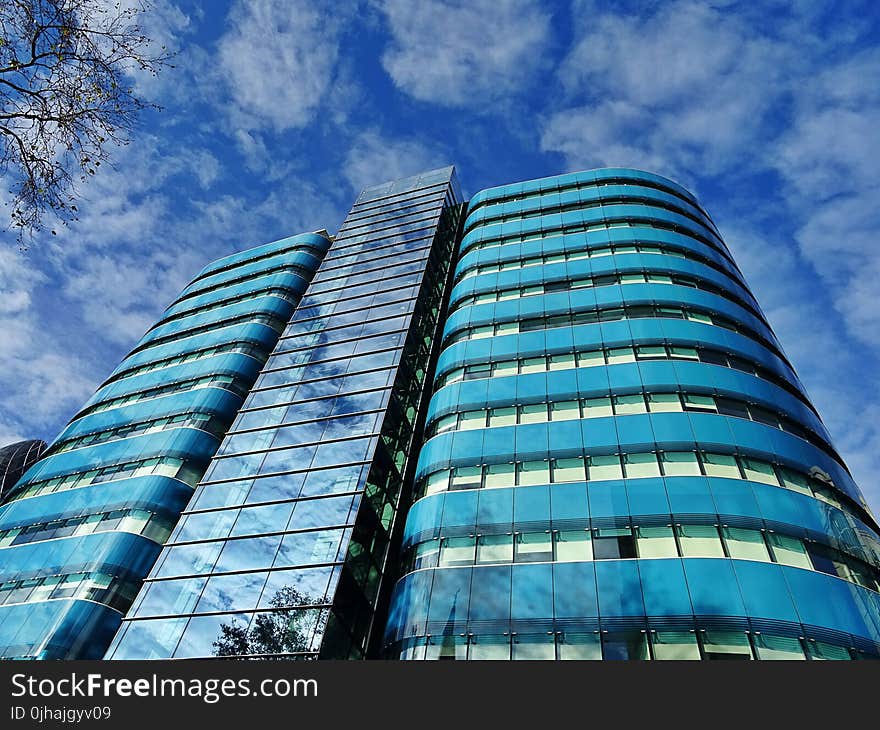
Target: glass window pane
789 551
822 651
580 647
613 543
471 420
595 407
569 470
533 647
567 410
745 544
675 645
664 402
533 365
490 647
624 646
502 417
510 367
627 404
621 354
562 362
533 472
793 480
457 551
726 645
573 545
500 475
466 477
495 549
533 547
604 467
641 465
656 542
759 471
536 413
700 541
699 403
680 463
720 465
437 482
775 648
591 358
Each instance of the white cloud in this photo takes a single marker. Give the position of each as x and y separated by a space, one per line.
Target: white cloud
374 159
278 59
465 53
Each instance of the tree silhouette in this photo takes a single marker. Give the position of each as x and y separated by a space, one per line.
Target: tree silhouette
65 97
287 629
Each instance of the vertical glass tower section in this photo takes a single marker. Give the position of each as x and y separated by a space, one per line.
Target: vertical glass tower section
620 461
284 549
82 528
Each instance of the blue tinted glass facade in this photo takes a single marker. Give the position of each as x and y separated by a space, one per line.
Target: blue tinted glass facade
82 527
284 549
620 462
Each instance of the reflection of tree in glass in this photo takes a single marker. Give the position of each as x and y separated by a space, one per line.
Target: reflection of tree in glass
277 632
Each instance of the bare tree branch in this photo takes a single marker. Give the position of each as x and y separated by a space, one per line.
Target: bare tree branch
66 70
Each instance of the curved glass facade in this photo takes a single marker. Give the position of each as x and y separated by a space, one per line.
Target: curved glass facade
83 527
15 460
620 461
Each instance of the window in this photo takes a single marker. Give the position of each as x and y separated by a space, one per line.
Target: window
591 358
445 423
700 541
745 544
567 410
595 407
703 403
569 470
533 365
426 554
495 549
641 465
502 417
793 480
533 472
490 647
533 547
466 477
675 645
613 543
778 647
627 404
789 551
726 645
721 465
650 352
821 651
561 362
604 467
664 402
536 413
686 353
580 647
500 475
532 647
624 646
730 407
680 463
510 367
621 354
656 542
457 551
573 545
470 420
759 471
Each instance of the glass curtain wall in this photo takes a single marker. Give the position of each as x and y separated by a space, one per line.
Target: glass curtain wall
621 462
284 549
82 528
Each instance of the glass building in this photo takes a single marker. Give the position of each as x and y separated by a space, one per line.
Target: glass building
82 528
620 461
287 546
549 423
16 459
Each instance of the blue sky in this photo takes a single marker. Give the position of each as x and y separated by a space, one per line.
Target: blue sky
279 111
